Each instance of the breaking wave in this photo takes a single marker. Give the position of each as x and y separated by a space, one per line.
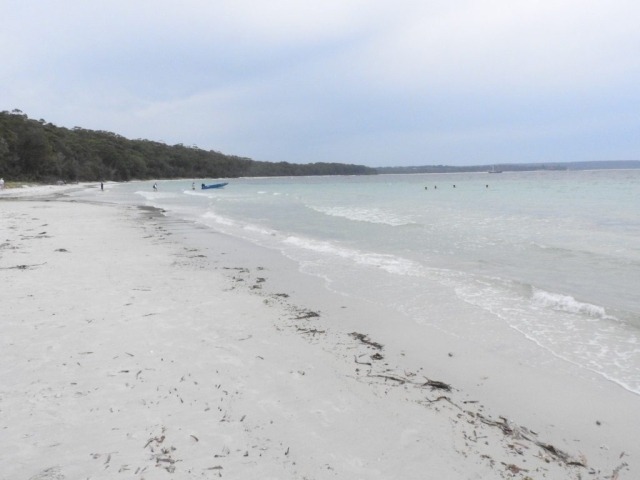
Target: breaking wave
373 215
567 303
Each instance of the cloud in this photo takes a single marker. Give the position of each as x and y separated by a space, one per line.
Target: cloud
522 47
359 81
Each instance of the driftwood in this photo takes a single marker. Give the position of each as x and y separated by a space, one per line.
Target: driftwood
23 267
442 397
402 381
436 385
304 314
365 339
312 331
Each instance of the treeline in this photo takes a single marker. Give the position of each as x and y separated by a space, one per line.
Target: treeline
37 150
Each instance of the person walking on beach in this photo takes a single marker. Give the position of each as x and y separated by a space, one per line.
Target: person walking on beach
155 186
102 186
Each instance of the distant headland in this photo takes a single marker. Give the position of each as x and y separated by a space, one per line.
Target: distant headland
515 167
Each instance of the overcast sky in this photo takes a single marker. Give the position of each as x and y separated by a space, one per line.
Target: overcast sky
357 81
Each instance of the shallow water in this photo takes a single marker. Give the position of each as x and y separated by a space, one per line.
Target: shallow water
550 260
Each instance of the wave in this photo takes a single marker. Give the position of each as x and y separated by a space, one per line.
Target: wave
155 195
220 219
567 303
388 263
195 193
257 229
373 215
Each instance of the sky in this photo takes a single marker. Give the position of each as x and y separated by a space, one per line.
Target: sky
378 83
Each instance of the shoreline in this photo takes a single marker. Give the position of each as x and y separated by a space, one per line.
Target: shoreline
292 353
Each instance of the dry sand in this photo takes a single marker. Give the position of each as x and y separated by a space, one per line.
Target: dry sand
131 351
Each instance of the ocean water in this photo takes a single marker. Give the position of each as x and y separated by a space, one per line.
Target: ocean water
550 260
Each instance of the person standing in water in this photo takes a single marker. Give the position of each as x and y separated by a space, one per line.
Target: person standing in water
155 186
102 186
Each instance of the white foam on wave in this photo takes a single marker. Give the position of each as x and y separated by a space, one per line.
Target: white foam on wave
219 219
263 231
155 195
373 215
194 192
567 303
557 324
389 263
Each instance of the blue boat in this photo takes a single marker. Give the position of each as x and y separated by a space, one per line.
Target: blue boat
215 185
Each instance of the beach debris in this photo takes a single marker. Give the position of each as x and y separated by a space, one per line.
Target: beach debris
261 280
23 267
514 468
158 440
195 438
441 397
376 356
402 381
518 432
62 250
436 385
312 331
355 358
52 473
616 471
239 269
304 314
366 340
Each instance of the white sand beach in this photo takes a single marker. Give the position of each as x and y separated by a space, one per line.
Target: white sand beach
133 346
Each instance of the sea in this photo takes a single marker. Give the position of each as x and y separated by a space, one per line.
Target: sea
546 259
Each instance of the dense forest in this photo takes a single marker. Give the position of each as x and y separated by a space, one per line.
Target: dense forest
37 150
